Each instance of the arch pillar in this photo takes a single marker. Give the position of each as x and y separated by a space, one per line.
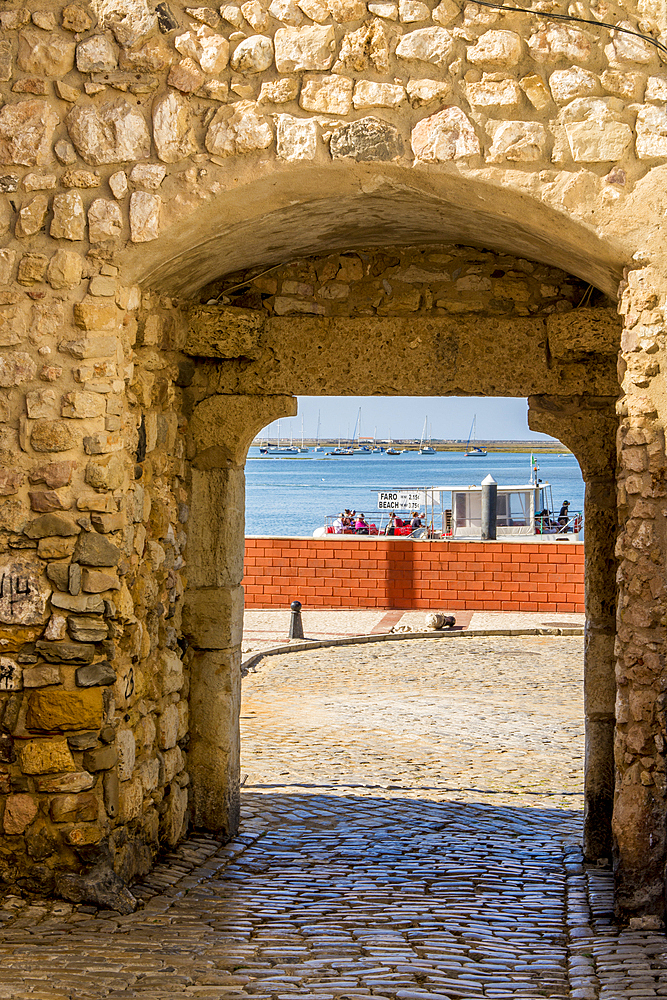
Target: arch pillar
588 426
221 430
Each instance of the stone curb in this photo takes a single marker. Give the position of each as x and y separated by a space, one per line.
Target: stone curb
355 640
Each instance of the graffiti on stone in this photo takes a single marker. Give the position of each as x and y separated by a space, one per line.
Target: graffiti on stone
22 594
10 675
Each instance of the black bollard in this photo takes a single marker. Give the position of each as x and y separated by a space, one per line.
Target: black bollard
489 509
295 624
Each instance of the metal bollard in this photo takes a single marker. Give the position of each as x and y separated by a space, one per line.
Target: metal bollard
489 508
295 624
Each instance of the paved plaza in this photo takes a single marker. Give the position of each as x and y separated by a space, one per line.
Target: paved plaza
411 831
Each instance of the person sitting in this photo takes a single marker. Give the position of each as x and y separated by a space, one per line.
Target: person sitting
361 525
339 525
391 526
563 515
416 521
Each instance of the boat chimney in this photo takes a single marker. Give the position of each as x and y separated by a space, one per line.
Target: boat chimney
489 508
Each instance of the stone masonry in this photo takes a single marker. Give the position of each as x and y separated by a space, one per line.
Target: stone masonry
205 211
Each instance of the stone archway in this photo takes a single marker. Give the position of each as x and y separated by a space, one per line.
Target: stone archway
147 154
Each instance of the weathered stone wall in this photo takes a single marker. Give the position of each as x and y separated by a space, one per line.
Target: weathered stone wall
312 154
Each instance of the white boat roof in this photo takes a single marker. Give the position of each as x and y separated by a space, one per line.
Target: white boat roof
501 489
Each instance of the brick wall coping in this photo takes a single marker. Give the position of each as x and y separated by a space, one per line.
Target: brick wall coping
505 540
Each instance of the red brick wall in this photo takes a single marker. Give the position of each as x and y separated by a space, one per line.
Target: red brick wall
358 572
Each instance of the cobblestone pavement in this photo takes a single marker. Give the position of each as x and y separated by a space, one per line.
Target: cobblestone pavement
411 831
269 627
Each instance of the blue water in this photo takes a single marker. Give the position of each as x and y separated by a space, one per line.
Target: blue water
292 496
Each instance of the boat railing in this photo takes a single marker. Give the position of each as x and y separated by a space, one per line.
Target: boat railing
545 524
376 526
551 524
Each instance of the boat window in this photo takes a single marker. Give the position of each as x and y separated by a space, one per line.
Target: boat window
460 510
519 512
501 509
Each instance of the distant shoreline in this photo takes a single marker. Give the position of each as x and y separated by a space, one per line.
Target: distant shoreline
534 447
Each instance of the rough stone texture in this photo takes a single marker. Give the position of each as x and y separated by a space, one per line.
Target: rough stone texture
45 55
253 54
447 135
69 219
105 221
328 94
95 550
20 811
64 710
651 140
295 139
113 133
298 49
431 45
210 49
45 756
522 142
144 216
238 129
172 130
378 95
367 139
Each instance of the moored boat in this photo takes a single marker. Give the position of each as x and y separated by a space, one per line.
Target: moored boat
425 446
473 450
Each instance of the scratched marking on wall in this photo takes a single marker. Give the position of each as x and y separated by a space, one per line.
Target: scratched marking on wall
11 675
22 595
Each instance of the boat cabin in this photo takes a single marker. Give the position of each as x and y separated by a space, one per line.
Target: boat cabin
455 512
523 510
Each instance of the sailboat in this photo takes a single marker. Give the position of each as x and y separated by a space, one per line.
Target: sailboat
425 447
318 446
302 450
391 450
358 448
474 451
279 448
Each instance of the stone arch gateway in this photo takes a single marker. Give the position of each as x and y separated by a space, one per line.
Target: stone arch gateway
200 208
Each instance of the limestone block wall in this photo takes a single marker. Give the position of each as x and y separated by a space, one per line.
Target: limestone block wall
434 280
93 695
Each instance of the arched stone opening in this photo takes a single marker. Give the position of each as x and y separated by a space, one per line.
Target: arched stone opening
258 340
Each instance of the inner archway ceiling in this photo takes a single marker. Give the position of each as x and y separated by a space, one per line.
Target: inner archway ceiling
254 227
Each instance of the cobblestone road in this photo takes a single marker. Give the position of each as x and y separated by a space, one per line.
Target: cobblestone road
411 831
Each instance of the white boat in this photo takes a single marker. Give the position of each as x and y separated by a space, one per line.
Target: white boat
278 448
473 451
425 446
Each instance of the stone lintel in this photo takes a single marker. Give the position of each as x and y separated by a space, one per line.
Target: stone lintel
223 332
460 354
581 332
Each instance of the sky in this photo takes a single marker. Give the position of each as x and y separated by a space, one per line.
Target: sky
402 417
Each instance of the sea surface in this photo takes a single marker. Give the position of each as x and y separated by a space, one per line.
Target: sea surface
292 496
